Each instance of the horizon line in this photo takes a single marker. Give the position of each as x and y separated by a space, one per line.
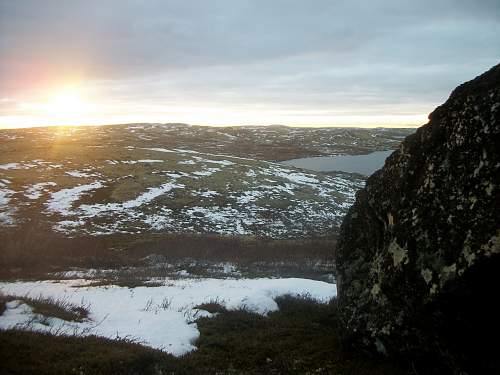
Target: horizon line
361 126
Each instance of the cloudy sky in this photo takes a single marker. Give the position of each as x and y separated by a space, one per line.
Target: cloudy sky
235 62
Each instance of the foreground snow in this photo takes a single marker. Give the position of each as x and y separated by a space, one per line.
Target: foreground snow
159 317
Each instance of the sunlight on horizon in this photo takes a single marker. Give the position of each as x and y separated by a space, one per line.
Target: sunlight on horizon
67 102
80 103
66 118
70 107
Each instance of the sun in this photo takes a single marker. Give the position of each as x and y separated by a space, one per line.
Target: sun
67 102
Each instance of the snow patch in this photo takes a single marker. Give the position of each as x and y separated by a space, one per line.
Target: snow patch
160 317
11 166
62 201
35 191
6 212
79 174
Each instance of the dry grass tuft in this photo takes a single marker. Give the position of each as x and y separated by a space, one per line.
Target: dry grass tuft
50 307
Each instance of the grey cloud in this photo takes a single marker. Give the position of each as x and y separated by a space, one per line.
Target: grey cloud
283 52
129 35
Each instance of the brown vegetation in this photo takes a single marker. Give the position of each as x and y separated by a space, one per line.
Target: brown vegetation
35 249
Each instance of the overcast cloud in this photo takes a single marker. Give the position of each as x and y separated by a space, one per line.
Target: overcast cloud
306 60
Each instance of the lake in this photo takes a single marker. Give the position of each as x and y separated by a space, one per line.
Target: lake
362 164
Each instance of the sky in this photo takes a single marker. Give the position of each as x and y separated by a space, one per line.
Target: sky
239 62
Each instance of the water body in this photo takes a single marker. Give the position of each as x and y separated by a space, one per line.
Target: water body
362 164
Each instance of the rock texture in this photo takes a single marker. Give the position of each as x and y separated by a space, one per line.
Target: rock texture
418 259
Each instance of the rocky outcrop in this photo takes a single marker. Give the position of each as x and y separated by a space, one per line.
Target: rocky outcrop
418 259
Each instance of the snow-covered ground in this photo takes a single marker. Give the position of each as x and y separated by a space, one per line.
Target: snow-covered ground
161 317
175 178
6 212
178 190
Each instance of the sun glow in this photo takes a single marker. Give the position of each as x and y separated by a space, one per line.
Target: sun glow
67 102
68 105
77 105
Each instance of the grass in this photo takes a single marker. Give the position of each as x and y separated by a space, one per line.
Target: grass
49 307
303 337
212 306
130 282
43 354
3 302
32 250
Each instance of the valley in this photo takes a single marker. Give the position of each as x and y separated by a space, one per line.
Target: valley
140 224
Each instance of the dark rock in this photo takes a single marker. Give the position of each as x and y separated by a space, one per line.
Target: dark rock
418 258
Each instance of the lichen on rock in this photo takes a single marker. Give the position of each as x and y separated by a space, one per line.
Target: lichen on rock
418 253
399 255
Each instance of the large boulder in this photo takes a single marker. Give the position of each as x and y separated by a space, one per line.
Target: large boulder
418 259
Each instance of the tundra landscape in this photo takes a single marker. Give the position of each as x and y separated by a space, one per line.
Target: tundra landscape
138 231
249 187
